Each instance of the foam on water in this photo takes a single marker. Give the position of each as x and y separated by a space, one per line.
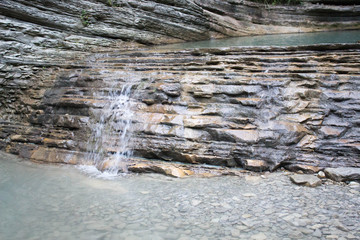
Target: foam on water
92 171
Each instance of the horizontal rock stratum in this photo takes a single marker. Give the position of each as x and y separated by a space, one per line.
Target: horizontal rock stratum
254 107
64 29
258 108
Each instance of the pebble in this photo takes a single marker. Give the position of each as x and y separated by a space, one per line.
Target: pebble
351 236
296 234
195 202
317 226
342 228
306 230
354 191
235 233
215 220
247 223
321 174
249 195
259 236
235 199
317 233
226 205
242 227
268 211
332 237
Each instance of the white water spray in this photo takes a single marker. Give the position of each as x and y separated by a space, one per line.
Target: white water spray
111 132
109 143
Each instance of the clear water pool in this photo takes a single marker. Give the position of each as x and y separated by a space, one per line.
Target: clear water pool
62 202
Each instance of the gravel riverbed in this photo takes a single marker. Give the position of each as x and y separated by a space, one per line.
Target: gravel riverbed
57 202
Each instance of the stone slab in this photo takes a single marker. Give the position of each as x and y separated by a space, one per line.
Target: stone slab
306 180
343 174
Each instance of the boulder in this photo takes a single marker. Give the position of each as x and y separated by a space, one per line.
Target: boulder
343 174
306 180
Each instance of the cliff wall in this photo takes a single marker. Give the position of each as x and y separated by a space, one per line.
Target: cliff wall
259 108
44 27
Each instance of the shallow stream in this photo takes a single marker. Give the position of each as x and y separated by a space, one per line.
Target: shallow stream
60 202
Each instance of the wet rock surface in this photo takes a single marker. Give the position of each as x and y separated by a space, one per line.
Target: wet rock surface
260 108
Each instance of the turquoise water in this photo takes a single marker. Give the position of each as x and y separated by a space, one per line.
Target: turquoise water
61 202
275 40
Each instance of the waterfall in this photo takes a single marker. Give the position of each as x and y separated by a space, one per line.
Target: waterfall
109 144
111 132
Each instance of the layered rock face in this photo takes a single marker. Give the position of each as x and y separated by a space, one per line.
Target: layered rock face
53 28
257 108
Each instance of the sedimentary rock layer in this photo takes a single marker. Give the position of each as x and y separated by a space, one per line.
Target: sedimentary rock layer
257 108
55 30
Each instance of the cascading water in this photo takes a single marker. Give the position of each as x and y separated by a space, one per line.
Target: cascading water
111 132
111 124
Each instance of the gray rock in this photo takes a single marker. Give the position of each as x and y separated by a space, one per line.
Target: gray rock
307 180
343 174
